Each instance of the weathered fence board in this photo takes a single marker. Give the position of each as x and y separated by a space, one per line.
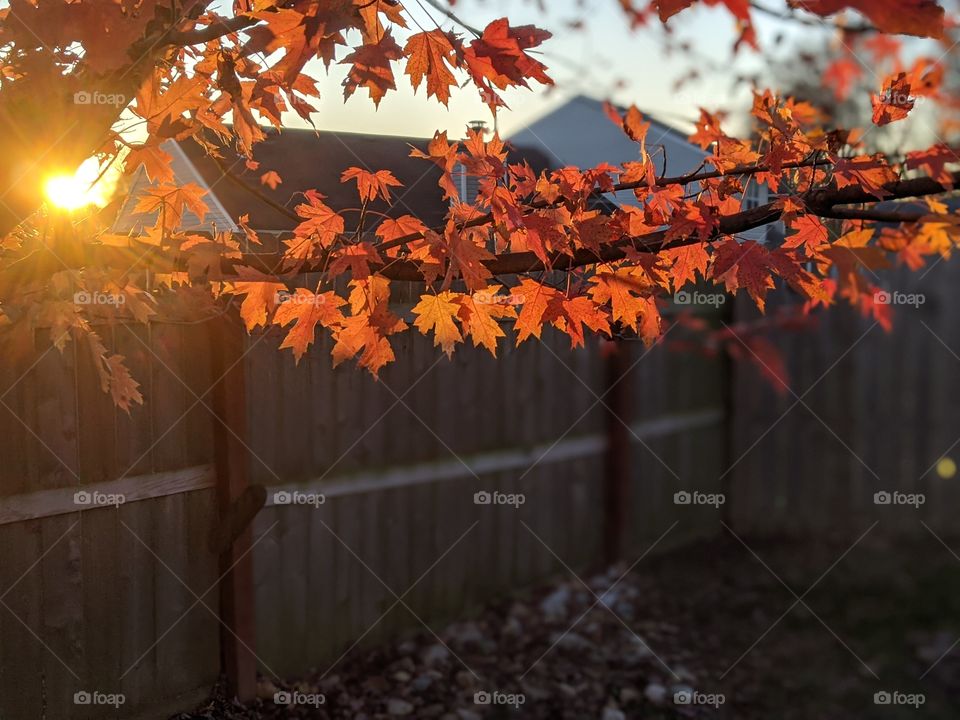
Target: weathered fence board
113 592
399 479
878 412
94 598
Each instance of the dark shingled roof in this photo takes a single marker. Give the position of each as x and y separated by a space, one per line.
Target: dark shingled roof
305 160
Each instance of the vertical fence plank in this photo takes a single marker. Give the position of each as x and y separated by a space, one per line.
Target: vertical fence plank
232 462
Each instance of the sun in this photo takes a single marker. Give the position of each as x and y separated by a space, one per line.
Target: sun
84 188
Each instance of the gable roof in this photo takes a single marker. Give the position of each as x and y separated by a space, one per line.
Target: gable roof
184 172
579 133
306 160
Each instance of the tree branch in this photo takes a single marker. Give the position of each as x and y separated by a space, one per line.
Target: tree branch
217 29
819 202
661 182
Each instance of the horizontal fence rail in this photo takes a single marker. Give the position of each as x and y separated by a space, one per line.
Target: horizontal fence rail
456 480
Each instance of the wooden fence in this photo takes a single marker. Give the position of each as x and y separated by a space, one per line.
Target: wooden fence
127 599
867 411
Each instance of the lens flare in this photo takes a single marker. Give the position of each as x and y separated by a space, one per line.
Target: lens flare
946 468
84 188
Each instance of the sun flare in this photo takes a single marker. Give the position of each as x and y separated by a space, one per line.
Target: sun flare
84 188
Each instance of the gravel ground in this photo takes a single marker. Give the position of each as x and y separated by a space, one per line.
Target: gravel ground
712 624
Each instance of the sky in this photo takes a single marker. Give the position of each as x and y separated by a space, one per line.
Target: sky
591 60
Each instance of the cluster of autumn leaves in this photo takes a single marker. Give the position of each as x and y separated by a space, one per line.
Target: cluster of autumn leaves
552 216
619 263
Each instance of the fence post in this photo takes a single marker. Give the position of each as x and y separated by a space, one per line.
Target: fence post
617 457
236 561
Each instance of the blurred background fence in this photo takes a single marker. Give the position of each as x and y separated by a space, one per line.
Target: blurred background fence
866 411
125 600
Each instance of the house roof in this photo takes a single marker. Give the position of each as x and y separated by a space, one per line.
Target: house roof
305 160
578 133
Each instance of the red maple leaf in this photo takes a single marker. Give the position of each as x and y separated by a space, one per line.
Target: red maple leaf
894 102
370 68
498 58
923 18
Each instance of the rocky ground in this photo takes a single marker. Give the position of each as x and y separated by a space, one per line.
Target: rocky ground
706 631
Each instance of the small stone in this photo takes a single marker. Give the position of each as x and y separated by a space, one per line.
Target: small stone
554 605
401 676
465 679
398 707
611 713
466 634
512 628
407 647
265 689
656 693
435 654
468 715
573 641
421 682
376 684
629 695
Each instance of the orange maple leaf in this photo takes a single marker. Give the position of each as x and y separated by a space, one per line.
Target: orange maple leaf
262 295
686 262
933 161
271 179
155 162
894 102
630 298
743 265
870 173
370 68
811 235
437 313
307 309
498 58
371 184
480 312
432 54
